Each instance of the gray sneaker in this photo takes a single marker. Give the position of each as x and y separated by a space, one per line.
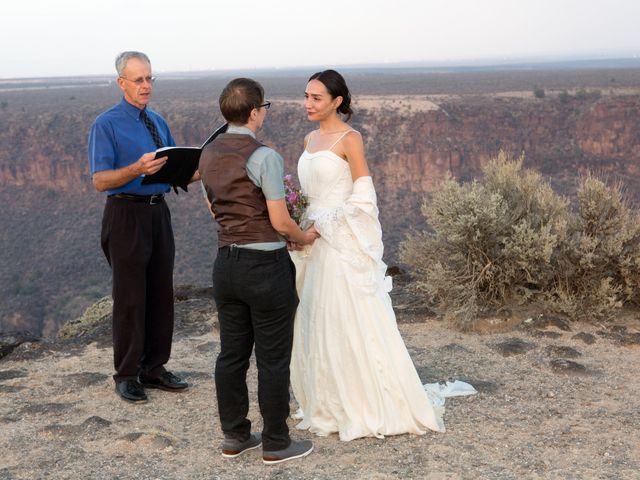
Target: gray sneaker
231 447
295 450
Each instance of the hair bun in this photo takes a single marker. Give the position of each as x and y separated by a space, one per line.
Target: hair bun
337 87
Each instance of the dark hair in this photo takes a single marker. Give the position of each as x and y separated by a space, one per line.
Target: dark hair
239 97
337 87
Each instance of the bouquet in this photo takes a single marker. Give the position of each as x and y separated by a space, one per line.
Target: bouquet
296 201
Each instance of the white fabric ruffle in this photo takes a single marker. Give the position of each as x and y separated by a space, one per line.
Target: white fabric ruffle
353 229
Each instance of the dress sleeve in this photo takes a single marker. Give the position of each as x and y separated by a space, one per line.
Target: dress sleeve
353 229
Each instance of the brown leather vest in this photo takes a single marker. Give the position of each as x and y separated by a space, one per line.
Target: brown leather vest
238 205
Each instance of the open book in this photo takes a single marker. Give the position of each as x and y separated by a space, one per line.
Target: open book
182 163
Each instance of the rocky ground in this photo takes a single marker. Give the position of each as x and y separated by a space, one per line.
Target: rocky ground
555 401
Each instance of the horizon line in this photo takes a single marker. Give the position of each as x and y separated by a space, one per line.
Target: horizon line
514 63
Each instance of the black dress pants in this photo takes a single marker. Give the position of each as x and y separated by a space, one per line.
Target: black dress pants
256 299
137 240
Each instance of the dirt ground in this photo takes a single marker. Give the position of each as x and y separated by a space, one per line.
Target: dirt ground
537 415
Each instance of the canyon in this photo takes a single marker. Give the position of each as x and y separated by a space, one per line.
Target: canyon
418 127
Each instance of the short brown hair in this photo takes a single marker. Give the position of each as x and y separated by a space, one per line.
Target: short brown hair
239 97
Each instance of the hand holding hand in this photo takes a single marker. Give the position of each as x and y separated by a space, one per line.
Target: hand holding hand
294 247
312 229
310 235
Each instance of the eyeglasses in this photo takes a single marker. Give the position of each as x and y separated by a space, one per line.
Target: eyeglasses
266 105
140 81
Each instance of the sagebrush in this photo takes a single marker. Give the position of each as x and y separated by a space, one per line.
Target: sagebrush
510 239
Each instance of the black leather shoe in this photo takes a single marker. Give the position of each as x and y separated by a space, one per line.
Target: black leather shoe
131 391
167 381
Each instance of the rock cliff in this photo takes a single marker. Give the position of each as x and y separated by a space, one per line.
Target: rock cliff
52 264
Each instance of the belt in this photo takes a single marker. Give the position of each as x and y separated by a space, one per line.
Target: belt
236 252
149 199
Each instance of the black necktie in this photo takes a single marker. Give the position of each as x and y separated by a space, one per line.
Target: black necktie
152 129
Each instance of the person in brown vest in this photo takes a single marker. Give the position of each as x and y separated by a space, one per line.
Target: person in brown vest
253 276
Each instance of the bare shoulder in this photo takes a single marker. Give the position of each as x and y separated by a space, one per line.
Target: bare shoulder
353 152
353 134
353 140
307 137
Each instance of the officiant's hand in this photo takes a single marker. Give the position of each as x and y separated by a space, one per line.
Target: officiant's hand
147 164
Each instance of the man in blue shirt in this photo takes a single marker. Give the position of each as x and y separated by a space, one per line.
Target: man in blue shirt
137 237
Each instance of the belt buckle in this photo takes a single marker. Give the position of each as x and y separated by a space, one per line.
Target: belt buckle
155 199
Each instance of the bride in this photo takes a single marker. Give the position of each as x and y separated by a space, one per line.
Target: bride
350 370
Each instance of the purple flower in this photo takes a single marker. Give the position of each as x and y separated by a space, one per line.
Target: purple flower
295 200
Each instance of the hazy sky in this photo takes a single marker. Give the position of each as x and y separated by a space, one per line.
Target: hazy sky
76 37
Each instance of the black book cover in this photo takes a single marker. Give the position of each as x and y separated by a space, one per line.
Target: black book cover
182 163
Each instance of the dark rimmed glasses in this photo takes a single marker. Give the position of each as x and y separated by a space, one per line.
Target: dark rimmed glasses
141 81
266 105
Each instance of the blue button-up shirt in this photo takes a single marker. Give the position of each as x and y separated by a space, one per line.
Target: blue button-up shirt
119 138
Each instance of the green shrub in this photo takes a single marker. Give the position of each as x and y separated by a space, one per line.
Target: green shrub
599 264
564 96
581 94
538 92
492 241
510 240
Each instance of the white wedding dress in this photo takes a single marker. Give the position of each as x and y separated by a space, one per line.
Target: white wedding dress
350 370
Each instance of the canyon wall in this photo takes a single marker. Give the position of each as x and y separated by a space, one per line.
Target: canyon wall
52 266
